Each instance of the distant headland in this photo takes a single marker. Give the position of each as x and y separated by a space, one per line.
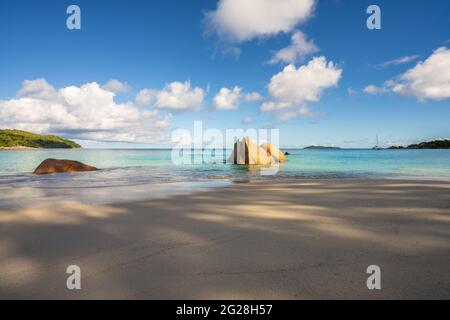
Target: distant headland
435 144
23 140
322 148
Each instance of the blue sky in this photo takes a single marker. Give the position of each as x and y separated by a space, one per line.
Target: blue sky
149 45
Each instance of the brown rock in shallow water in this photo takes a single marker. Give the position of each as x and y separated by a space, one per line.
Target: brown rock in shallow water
274 152
55 165
246 152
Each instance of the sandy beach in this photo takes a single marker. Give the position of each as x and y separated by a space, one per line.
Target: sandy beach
18 148
304 239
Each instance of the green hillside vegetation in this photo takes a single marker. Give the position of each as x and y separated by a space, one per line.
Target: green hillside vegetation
322 148
436 144
18 138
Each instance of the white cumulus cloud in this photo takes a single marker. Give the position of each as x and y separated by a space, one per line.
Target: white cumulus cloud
227 99
288 114
373 89
88 112
116 86
252 96
179 96
39 89
293 88
241 20
429 79
230 99
145 97
299 48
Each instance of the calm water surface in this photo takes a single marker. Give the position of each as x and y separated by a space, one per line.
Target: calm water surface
125 168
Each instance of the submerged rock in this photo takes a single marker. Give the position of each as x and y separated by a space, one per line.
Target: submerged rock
61 166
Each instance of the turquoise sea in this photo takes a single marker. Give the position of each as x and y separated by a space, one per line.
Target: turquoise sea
127 175
128 167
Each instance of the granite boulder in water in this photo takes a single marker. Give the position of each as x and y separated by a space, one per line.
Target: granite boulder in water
61 166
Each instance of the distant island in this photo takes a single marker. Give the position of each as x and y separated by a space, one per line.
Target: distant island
18 139
436 144
322 148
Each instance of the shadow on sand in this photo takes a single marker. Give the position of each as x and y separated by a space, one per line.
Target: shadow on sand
303 239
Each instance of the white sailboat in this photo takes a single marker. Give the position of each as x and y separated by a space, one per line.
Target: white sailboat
377 146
